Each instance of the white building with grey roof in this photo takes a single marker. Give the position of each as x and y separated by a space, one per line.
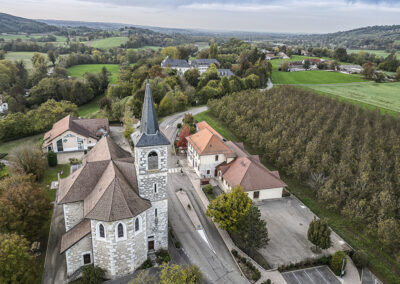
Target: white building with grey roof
115 206
180 65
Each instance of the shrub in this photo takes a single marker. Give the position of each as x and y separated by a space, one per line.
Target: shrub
74 161
256 275
336 262
146 264
162 256
52 159
92 274
2 155
177 244
179 125
360 259
28 159
209 189
234 252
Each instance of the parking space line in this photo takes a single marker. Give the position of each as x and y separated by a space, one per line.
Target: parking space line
309 276
322 275
296 278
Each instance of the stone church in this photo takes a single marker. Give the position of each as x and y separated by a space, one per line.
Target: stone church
115 205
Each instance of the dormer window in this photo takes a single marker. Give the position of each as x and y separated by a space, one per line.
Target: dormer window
152 161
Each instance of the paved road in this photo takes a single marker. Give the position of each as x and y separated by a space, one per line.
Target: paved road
217 267
168 125
55 267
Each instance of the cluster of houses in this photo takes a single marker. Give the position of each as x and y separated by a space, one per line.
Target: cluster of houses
229 164
201 64
295 66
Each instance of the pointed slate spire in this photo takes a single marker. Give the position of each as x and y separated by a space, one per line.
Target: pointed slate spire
149 123
150 134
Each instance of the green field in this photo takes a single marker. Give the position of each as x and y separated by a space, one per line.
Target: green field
108 42
79 70
22 55
89 108
377 52
385 95
314 77
7 147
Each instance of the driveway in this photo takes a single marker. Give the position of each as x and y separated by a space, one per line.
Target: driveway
287 222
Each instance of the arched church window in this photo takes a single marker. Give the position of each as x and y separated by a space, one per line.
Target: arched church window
137 225
120 230
101 231
152 161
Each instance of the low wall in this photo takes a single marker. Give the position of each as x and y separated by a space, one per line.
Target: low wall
63 157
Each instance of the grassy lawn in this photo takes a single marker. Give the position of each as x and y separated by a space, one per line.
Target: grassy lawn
108 42
22 55
216 124
79 70
7 147
381 263
385 96
377 52
50 175
90 108
314 77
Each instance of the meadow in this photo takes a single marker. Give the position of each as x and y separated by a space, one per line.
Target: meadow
277 62
314 77
79 70
385 96
107 43
25 56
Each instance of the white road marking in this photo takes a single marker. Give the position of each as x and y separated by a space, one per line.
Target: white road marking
322 275
308 276
296 277
174 170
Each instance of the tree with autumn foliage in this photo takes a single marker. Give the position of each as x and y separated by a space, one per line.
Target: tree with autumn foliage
24 207
228 209
185 132
16 264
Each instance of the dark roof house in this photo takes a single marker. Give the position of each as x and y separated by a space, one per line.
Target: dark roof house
203 62
174 63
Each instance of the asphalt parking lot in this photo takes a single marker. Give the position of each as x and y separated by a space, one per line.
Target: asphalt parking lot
287 222
313 275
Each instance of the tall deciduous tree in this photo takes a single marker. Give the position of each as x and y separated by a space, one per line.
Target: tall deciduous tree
17 266
24 208
228 209
185 132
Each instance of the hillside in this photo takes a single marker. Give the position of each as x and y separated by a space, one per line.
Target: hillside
373 37
13 24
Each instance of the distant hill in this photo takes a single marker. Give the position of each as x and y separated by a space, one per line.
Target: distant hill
373 37
13 24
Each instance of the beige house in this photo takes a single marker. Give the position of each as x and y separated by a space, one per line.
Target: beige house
70 137
230 164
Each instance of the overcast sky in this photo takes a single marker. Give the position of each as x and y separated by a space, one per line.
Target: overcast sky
306 16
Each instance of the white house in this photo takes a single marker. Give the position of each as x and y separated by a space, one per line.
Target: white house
70 137
116 206
212 156
177 64
202 64
352 69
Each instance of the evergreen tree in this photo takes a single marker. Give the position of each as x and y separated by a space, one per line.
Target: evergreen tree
319 233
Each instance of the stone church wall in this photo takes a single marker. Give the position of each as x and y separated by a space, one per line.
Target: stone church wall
73 214
74 255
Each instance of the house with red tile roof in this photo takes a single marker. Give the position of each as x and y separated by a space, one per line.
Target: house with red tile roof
230 164
74 135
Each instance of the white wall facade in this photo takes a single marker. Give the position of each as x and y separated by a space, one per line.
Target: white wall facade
70 142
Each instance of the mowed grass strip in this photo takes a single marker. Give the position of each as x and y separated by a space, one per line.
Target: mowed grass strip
108 42
314 77
384 95
79 70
